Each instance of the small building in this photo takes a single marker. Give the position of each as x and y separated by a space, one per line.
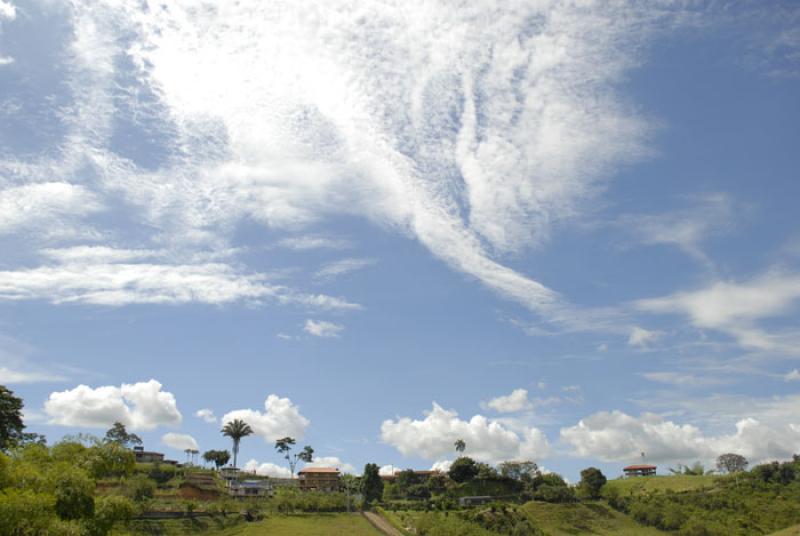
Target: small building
250 488
475 500
319 479
145 456
640 470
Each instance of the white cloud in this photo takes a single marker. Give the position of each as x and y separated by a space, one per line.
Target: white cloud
681 378
179 441
616 436
735 308
281 418
442 465
321 328
471 136
6 60
332 461
92 275
341 267
207 415
642 337
308 242
792 375
10 376
51 207
267 469
516 401
388 470
486 440
140 406
7 10
687 228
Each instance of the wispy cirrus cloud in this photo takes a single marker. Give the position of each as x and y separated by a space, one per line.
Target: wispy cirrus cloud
474 150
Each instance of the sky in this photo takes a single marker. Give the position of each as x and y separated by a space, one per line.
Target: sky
561 231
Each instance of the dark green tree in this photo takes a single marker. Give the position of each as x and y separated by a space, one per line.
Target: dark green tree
236 430
284 447
118 434
371 484
11 425
74 493
217 457
592 481
731 463
463 469
523 471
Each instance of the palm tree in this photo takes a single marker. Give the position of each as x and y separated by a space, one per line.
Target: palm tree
236 430
460 445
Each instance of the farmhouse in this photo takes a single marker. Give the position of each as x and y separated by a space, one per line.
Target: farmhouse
146 456
319 479
640 470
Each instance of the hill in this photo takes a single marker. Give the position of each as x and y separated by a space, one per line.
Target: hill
582 518
676 483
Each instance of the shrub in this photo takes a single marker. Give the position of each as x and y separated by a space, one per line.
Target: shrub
140 488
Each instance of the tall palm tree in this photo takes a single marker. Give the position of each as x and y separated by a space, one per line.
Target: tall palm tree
460 445
236 430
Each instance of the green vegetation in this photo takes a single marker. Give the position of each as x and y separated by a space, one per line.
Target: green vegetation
236 430
306 525
582 518
761 501
676 483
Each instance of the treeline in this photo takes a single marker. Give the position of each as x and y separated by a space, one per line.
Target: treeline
759 501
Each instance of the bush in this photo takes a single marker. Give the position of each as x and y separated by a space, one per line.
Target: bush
74 494
463 469
140 488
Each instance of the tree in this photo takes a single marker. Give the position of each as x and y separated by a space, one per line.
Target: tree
731 463
524 471
74 493
460 445
463 469
371 484
351 485
236 430
592 481
11 425
284 447
217 457
118 434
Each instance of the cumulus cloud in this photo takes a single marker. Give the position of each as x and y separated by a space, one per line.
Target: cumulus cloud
7 10
388 470
516 401
267 469
179 441
736 308
139 406
281 418
618 437
487 440
442 465
792 375
207 415
321 328
332 461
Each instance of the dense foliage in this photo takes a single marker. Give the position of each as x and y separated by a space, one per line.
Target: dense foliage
757 502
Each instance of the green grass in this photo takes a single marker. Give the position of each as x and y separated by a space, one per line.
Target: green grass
306 525
788 531
675 483
583 518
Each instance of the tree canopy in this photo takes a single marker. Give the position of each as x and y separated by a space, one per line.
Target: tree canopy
371 484
11 425
731 463
236 430
118 434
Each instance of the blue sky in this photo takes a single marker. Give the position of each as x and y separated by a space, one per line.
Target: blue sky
562 233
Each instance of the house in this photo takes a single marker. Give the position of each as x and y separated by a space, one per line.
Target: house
145 456
640 470
319 479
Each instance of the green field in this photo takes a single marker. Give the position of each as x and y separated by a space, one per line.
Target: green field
306 525
582 518
789 531
660 483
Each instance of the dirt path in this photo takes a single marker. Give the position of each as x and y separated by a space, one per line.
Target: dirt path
381 524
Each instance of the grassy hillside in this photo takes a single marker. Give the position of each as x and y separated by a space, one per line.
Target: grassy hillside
583 518
789 531
306 525
676 483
